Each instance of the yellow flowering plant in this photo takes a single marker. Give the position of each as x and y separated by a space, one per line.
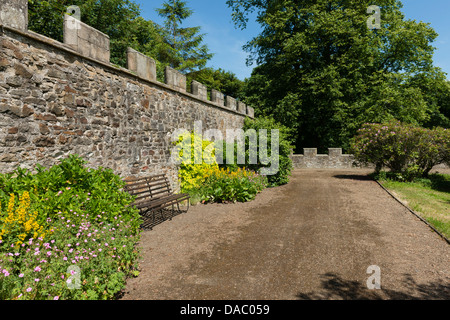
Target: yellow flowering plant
226 185
194 168
18 222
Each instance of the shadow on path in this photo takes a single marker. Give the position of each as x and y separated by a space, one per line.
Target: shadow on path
334 287
358 177
149 222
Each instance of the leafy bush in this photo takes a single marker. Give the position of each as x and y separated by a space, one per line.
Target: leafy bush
71 186
282 171
224 185
93 257
18 224
194 165
64 217
406 150
205 182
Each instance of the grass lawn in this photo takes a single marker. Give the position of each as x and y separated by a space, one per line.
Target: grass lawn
430 198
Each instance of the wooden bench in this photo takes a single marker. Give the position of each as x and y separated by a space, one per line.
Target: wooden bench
153 195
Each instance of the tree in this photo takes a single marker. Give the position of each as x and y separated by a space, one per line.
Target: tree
221 80
112 17
322 71
184 50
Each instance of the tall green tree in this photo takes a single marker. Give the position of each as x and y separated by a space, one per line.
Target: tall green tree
112 17
184 50
323 72
224 81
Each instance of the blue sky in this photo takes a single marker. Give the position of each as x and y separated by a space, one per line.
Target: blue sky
225 41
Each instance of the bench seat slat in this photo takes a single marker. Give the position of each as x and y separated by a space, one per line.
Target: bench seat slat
136 186
162 201
153 193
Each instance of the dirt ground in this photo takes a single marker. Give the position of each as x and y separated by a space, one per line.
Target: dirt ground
311 239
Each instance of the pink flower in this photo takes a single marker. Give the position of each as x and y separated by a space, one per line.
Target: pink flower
21 275
37 269
29 290
56 298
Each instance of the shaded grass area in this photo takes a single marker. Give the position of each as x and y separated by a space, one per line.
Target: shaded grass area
429 197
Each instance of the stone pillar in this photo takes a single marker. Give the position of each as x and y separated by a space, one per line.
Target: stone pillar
199 90
144 66
231 103
175 79
310 152
86 40
14 14
250 112
217 97
335 152
242 108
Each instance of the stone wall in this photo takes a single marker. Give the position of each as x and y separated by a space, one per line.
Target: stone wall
333 160
58 99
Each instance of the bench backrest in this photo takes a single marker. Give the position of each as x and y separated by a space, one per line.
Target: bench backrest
146 188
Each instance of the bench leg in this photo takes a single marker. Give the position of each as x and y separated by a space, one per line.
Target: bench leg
173 212
178 205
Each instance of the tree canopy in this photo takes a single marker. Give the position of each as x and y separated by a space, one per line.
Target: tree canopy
121 20
220 80
185 51
323 72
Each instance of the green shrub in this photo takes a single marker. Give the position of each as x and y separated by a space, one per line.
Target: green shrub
406 150
194 165
102 254
205 182
223 185
63 217
284 167
71 186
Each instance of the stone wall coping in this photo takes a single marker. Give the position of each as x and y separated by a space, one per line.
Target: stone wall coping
66 16
60 46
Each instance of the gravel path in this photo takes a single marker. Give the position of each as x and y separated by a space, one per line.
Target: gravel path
311 239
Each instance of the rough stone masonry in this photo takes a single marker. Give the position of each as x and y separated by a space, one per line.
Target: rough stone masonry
58 99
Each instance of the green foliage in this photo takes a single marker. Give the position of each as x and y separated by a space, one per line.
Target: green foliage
220 80
169 45
225 185
39 269
281 176
201 177
196 162
408 151
112 17
184 49
322 72
71 187
65 216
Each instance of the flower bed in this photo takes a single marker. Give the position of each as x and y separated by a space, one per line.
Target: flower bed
207 182
66 242
224 185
